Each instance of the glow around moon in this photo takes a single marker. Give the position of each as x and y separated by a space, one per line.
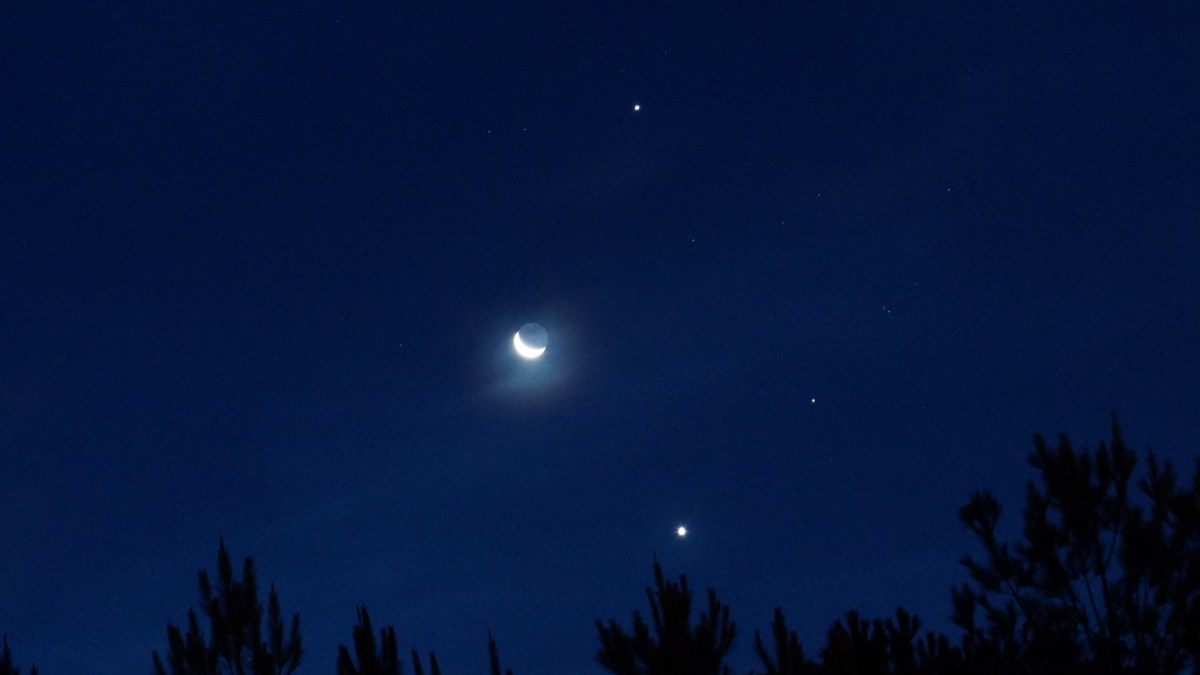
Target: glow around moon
530 342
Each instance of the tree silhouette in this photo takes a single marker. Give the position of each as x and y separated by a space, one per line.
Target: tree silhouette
1103 580
789 655
675 647
386 661
433 664
494 657
235 645
858 646
855 645
6 662
1098 583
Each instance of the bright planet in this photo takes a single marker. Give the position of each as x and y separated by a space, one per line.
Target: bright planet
530 341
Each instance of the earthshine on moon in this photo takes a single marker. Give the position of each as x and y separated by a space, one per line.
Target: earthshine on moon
530 341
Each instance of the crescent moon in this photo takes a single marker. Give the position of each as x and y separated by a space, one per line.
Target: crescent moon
525 350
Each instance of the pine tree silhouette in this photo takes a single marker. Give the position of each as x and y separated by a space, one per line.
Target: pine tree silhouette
433 664
675 647
383 659
6 662
235 645
855 645
858 646
1097 583
494 656
789 655
386 661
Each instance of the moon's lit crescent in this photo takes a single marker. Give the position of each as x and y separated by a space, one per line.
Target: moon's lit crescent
525 350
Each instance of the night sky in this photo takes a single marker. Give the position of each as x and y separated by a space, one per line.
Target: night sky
260 268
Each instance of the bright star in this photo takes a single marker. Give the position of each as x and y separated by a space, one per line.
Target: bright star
681 531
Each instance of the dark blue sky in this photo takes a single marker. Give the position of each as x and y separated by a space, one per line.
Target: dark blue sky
259 269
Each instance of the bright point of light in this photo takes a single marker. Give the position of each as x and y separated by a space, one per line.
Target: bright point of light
813 401
681 532
637 107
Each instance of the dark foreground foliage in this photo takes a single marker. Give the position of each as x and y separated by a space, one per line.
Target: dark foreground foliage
1103 580
368 659
235 644
672 645
6 662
